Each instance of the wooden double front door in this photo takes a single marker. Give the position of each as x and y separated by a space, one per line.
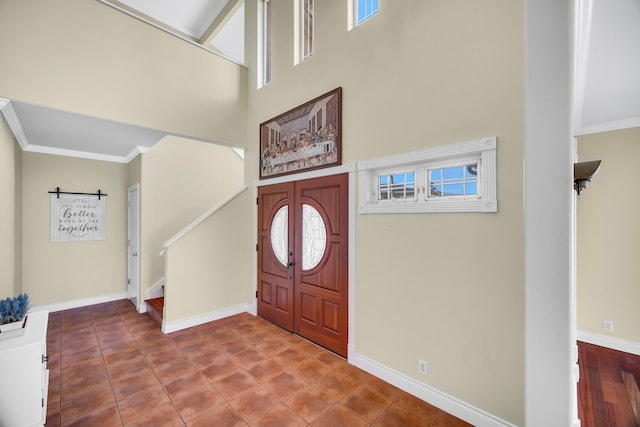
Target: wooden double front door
303 258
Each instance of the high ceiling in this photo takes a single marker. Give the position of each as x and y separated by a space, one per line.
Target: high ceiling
217 25
608 61
607 91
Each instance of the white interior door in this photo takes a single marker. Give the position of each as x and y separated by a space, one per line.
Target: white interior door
133 245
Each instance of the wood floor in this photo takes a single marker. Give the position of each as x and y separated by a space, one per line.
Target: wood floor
608 393
111 366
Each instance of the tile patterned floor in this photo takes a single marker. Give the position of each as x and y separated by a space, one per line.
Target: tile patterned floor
110 366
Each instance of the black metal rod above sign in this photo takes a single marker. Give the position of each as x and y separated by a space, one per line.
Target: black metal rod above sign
58 193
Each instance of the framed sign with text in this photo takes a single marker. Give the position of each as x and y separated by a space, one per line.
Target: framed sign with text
77 217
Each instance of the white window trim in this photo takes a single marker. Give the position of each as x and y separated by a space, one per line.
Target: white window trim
262 65
298 29
482 149
354 14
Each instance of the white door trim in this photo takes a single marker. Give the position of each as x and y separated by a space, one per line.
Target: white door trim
349 168
133 257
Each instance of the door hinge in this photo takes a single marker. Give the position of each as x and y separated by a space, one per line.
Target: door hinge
43 402
257 201
128 281
256 294
256 247
45 358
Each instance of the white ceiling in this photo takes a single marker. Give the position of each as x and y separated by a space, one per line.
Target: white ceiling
192 17
216 25
70 132
608 61
607 92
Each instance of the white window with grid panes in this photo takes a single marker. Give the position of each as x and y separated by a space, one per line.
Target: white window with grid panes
363 10
453 178
396 185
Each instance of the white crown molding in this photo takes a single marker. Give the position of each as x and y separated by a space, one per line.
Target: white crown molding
135 152
14 123
73 153
609 342
16 128
632 122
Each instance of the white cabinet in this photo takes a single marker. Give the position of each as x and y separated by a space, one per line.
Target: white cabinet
24 375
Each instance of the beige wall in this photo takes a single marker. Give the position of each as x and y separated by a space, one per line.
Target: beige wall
608 237
447 288
180 180
85 57
207 269
134 171
61 272
10 256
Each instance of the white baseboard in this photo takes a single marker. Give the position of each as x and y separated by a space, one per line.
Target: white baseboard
609 342
142 307
435 397
67 305
178 325
155 291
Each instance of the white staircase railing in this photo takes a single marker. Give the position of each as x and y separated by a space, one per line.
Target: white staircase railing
200 219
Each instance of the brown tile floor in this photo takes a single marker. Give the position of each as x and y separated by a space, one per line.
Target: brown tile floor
110 366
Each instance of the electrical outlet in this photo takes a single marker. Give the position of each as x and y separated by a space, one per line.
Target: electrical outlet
422 367
608 325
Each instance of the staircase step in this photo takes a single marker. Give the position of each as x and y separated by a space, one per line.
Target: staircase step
156 308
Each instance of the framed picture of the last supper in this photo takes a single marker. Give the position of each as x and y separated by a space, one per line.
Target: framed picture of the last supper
305 138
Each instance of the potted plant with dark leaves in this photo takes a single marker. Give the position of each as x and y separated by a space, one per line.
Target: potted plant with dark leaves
13 312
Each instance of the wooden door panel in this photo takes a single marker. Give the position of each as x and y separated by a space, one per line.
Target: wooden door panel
311 302
327 274
274 294
274 302
275 281
321 318
318 309
321 292
272 201
270 264
328 197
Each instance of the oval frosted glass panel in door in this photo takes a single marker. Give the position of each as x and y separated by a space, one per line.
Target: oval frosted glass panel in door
314 237
280 234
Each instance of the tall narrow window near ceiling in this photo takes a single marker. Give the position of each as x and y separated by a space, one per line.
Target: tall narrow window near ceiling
307 28
365 9
264 34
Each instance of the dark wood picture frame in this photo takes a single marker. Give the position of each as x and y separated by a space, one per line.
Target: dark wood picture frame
304 138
